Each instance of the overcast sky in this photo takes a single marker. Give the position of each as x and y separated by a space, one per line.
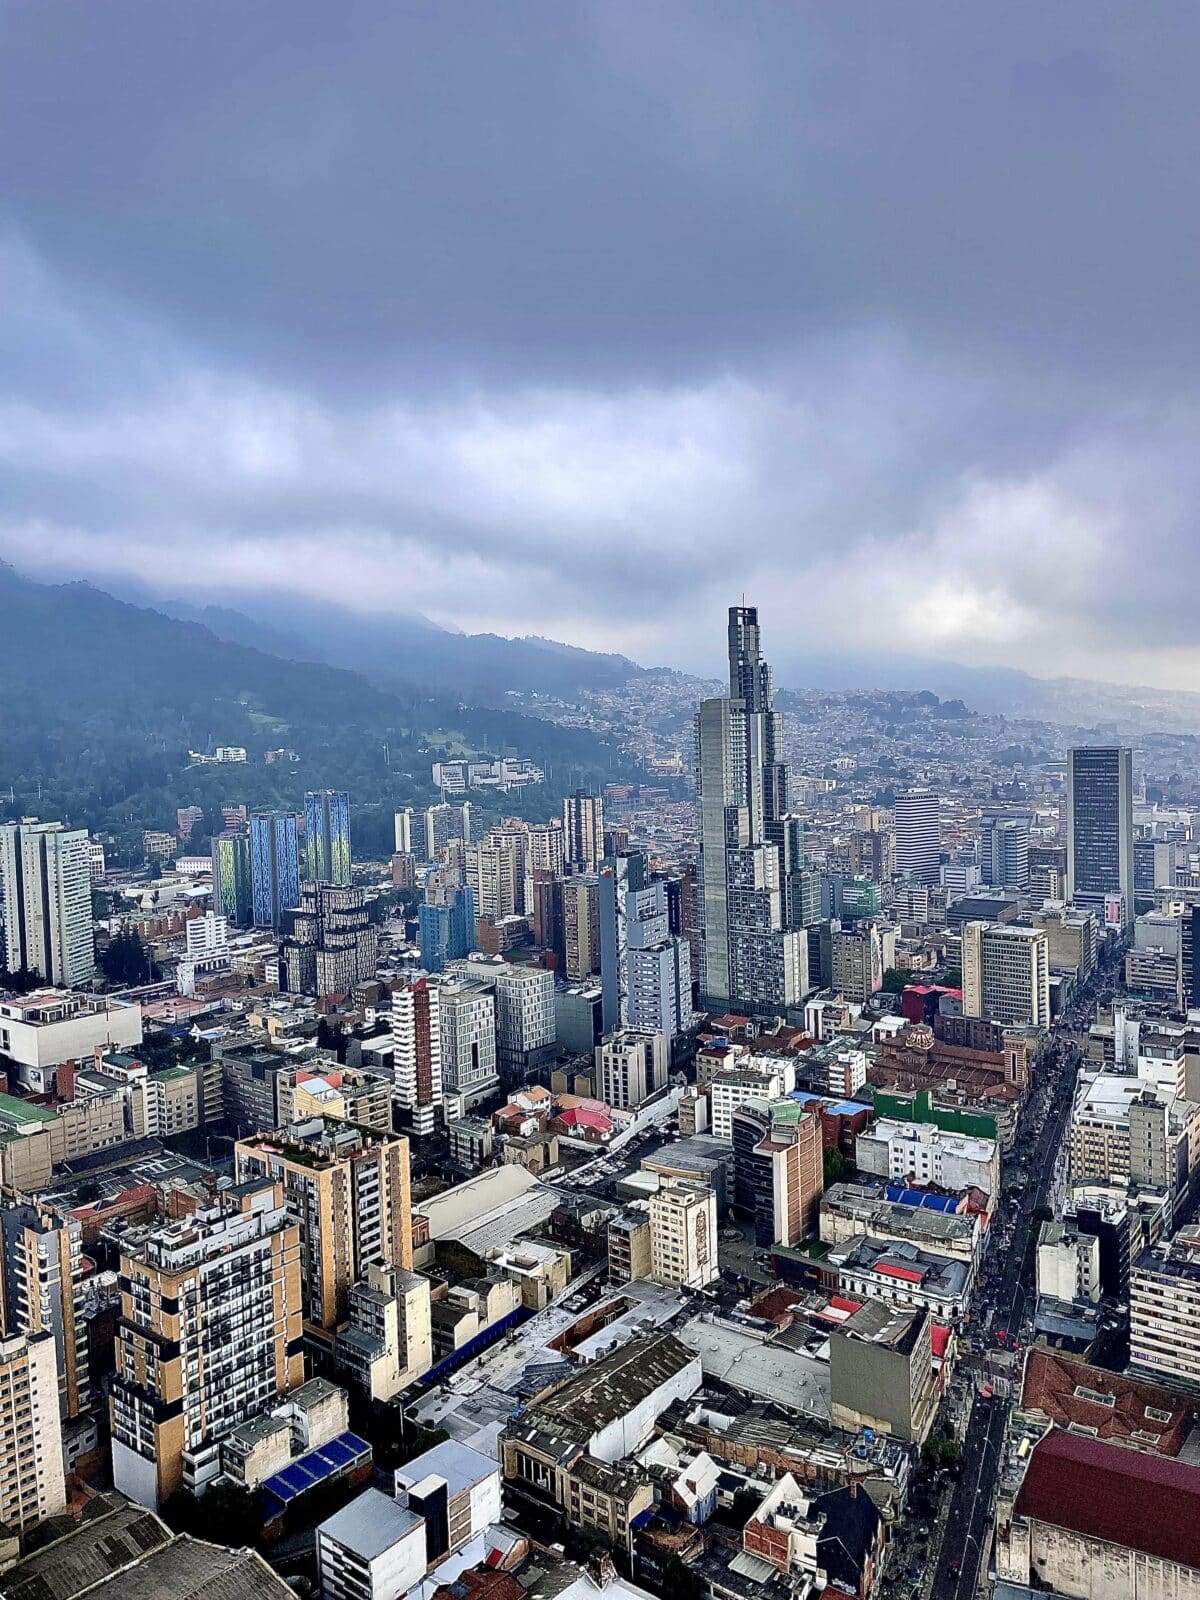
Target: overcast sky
581 319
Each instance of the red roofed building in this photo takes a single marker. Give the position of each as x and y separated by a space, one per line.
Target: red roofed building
1096 1521
1112 1406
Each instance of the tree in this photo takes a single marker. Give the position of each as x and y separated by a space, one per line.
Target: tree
895 981
835 1166
682 1582
952 978
19 982
126 961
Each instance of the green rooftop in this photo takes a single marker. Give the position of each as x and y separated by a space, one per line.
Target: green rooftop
21 1112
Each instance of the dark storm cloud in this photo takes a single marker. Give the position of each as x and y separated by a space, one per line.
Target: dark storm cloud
636 301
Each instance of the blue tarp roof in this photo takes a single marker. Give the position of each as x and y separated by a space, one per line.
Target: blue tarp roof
919 1197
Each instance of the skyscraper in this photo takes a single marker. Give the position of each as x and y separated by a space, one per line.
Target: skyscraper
645 969
232 897
583 830
417 1056
32 1481
1004 849
1100 828
46 901
446 920
750 959
1006 974
918 835
404 830
327 837
581 925
274 866
329 943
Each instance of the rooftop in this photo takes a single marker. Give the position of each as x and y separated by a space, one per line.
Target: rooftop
370 1524
611 1387
1123 1497
1120 1409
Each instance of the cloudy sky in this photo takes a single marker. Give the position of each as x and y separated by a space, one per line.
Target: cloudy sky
581 319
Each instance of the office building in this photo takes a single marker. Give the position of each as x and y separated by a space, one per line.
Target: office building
46 901
1153 869
43 1290
1006 974
327 837
583 831
525 1036
209 1335
468 1030
274 866
1100 831
1004 849
922 1154
232 894
683 1236
388 1343
1164 1311
630 1067
329 941
778 1167
859 961
750 960
32 1479
918 825
417 1056
348 1188
1072 938
872 854
581 925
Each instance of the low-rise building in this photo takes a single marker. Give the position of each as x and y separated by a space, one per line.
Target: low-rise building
902 1275
372 1549
924 1154
683 1236
456 1490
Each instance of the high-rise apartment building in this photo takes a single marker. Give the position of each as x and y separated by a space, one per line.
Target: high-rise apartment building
210 1335
581 925
1004 849
645 967
446 919
1100 829
389 1342
750 959
683 1236
42 1282
468 1029
778 1169
274 866
417 1056
46 901
405 833
232 894
583 830
348 1188
917 817
327 837
1006 973
32 1480
329 941
546 847
444 824
493 872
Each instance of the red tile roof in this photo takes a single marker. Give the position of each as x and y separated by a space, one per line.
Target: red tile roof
1101 1491
1053 1386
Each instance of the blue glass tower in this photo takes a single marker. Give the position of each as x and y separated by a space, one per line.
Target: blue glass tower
327 837
274 866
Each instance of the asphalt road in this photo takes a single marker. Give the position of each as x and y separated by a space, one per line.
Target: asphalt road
967 1527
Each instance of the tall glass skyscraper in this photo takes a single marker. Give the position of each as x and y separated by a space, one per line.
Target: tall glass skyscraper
274 866
1100 829
446 930
327 837
232 896
750 959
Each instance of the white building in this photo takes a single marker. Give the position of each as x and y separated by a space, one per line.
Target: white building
207 950
404 830
454 1488
40 1031
417 1055
918 835
372 1549
630 1066
1068 1263
754 1078
32 1481
683 1236
46 901
925 1154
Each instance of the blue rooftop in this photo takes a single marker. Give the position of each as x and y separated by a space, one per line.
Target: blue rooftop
346 1450
898 1195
